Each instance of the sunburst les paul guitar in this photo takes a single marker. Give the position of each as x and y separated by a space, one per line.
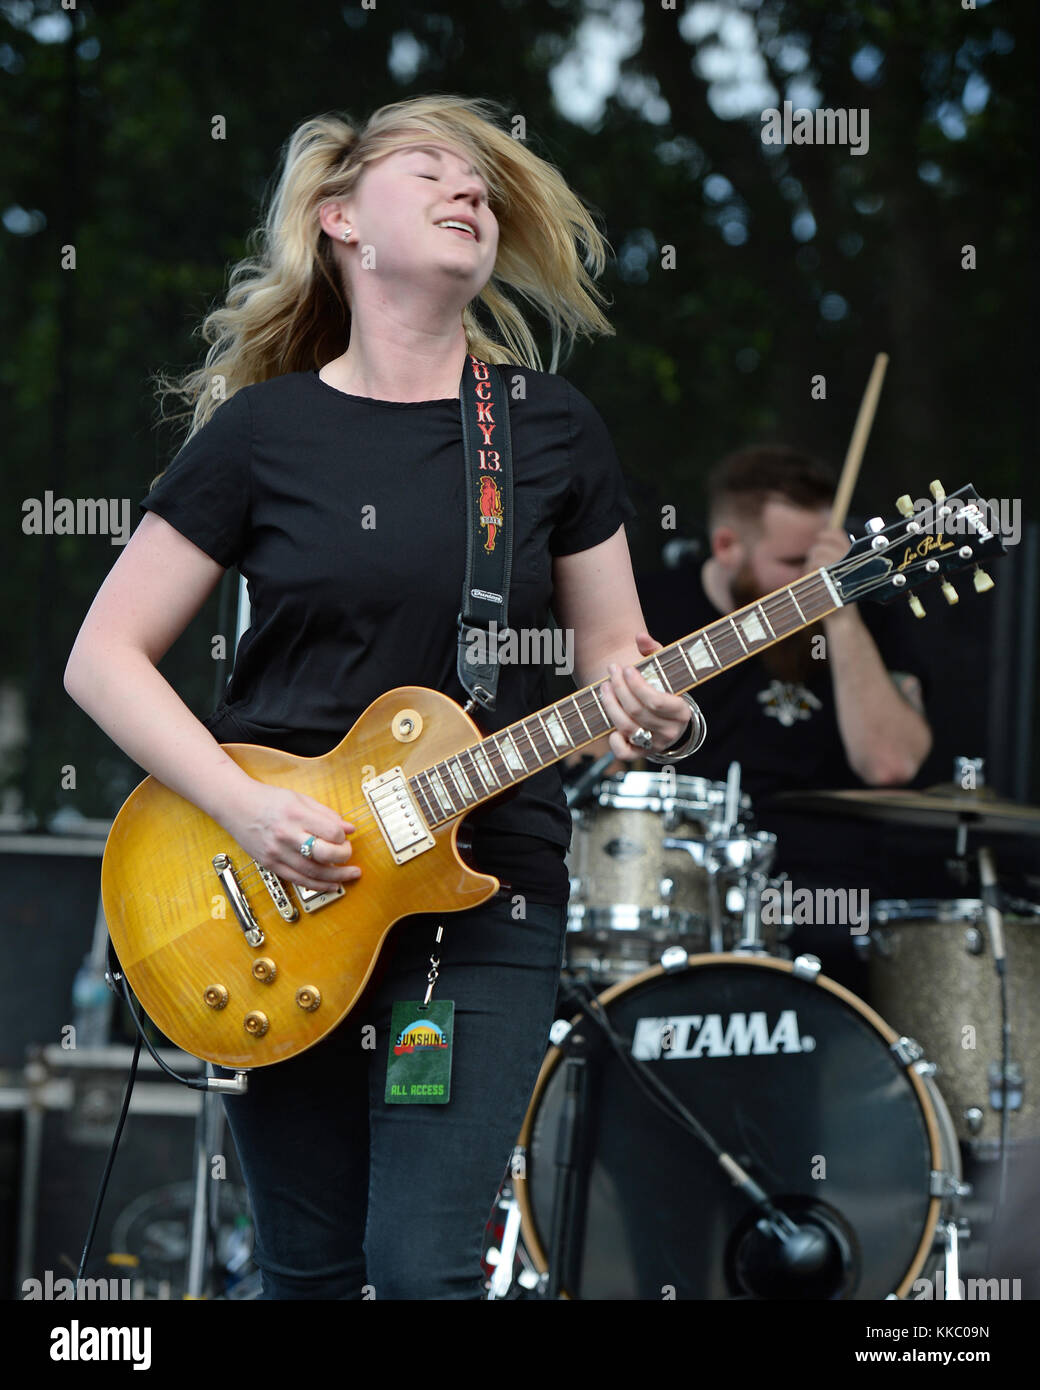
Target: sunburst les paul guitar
243 969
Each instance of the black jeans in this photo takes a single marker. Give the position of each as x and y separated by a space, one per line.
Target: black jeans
353 1198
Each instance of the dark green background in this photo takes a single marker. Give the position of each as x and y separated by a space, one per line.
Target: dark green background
108 147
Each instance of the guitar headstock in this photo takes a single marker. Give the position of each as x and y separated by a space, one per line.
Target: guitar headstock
930 540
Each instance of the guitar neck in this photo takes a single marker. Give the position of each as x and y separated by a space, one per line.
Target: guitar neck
476 774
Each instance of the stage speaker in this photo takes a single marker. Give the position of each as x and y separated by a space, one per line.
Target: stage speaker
49 894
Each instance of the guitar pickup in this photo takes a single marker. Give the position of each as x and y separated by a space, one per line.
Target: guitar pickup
397 815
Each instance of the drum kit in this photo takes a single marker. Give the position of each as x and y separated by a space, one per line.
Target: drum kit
717 1120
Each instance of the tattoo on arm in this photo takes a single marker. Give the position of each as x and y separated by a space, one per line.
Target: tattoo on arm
910 688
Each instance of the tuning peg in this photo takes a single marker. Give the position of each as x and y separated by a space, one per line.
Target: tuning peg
937 491
916 606
981 580
950 594
904 505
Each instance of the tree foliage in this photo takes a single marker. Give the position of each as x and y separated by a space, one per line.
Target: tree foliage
742 270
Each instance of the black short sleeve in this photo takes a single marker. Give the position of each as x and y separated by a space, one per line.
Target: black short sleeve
205 491
597 502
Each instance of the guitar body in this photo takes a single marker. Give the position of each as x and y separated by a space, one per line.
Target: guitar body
177 936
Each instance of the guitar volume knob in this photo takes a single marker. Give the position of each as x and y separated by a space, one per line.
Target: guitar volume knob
264 970
308 997
255 1023
216 996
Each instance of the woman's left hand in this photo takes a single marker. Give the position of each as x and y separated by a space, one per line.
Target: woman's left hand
632 703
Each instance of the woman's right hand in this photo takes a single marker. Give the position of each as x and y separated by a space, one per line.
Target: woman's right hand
271 823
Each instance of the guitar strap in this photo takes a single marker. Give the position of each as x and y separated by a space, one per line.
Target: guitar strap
484 615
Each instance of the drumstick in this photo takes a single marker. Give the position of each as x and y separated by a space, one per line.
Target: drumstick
858 442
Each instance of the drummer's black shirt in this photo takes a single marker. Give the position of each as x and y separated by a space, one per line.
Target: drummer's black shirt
345 514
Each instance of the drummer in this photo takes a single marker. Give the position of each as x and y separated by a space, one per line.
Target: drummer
839 704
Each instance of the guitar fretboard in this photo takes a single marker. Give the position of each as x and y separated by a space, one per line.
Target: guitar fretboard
476 774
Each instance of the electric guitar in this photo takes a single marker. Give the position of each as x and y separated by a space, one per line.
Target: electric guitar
243 969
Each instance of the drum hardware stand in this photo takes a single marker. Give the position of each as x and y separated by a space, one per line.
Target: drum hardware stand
949 1188
715 939
704 855
951 1264
949 1232
1005 1080
209 1136
752 942
732 807
713 865
724 852
502 1279
944 1185
722 856
729 826
999 1097
567 1217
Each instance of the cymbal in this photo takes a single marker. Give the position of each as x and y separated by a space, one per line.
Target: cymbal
939 807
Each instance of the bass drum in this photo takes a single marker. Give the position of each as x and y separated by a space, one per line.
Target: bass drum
792 1075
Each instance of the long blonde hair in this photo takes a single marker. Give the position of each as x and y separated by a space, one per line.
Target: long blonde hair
286 308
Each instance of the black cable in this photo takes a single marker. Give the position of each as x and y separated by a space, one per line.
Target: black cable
669 1104
802 1248
92 1230
194 1082
654 1089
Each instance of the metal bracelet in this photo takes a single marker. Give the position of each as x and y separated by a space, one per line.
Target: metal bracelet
696 736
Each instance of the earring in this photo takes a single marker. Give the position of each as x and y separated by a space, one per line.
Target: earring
346 232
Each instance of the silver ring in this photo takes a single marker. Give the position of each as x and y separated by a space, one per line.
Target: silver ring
306 849
642 738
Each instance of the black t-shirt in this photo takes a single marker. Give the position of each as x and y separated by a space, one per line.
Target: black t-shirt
784 735
346 516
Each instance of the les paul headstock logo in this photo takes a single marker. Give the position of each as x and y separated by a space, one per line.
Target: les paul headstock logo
923 547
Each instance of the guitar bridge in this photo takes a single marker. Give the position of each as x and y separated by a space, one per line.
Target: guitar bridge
398 816
310 899
273 884
251 929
